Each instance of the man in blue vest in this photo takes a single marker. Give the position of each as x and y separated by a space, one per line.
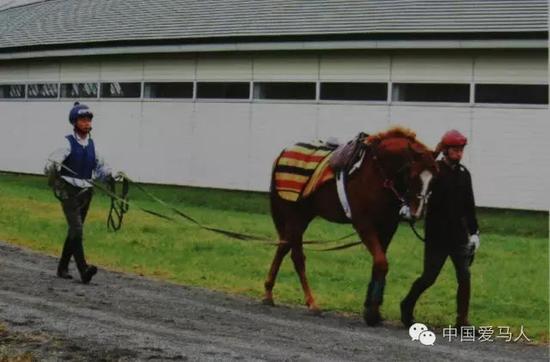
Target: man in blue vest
69 169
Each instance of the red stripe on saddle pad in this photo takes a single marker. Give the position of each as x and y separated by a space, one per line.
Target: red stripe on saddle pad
303 157
288 184
327 173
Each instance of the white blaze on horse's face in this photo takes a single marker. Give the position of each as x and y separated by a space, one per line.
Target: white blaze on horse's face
425 177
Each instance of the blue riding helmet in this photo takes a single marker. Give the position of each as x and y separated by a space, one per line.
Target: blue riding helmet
79 110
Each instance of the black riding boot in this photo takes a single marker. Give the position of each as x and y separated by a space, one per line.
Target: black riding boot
462 303
86 271
63 266
408 303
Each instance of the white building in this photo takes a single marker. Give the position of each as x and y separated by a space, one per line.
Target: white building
207 93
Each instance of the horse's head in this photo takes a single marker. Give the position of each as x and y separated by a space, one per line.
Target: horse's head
406 165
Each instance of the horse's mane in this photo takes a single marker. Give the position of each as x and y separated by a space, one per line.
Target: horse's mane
394 132
397 131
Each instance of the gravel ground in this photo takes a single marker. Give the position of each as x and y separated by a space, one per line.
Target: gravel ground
124 317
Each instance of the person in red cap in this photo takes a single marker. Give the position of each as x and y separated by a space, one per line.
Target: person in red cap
451 228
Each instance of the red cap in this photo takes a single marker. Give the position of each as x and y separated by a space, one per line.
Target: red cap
453 138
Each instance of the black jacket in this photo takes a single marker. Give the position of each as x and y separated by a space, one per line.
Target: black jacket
451 214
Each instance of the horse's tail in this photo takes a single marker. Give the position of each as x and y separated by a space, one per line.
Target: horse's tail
272 188
275 199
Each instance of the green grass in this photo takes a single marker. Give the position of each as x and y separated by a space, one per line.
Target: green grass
510 274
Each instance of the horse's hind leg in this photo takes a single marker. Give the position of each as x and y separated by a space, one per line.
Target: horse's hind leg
281 252
299 260
282 213
291 222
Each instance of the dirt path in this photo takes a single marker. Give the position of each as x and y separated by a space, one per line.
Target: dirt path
121 317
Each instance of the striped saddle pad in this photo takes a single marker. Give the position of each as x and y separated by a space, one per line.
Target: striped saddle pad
301 169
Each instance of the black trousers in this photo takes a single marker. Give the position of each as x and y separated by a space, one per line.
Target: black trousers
434 259
75 203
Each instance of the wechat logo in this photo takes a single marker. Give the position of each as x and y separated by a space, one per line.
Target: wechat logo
419 332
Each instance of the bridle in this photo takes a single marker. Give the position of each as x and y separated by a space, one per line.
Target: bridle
389 183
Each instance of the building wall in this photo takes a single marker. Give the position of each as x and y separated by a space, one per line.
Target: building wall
232 144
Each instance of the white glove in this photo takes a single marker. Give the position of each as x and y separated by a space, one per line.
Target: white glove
119 175
405 213
474 242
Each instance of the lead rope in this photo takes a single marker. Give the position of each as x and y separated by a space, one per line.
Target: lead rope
119 205
124 204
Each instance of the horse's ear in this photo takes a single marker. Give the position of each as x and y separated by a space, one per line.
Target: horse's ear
417 148
371 140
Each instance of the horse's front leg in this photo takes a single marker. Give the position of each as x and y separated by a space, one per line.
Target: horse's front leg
375 291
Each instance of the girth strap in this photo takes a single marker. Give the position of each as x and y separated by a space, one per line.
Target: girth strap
341 189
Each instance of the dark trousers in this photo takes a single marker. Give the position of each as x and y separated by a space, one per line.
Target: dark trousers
75 204
434 259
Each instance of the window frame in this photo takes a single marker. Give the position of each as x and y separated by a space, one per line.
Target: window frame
315 99
97 83
164 99
197 98
8 99
102 82
509 104
350 101
29 83
466 102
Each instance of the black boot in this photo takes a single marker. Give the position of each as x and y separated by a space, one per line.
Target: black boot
63 274
407 310
88 273
462 303
408 303
63 266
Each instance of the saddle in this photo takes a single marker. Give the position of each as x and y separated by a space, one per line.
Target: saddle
303 168
345 156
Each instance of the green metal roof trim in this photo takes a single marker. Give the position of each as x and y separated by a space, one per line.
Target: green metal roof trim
65 23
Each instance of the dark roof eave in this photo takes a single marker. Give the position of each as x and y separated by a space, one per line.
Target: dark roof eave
462 41
531 35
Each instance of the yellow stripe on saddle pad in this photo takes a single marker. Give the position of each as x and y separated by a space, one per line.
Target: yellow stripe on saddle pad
322 174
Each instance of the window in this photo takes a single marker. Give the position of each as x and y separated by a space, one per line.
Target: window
12 91
121 90
79 90
429 92
229 90
279 90
512 93
354 91
42 90
168 90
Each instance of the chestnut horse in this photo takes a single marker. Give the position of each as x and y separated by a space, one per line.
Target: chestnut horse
395 171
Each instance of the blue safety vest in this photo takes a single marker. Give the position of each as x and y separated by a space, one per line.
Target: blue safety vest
81 160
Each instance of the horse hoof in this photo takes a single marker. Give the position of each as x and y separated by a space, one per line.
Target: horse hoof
372 319
268 301
315 311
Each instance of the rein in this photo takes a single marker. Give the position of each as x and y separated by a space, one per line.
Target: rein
389 183
416 233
